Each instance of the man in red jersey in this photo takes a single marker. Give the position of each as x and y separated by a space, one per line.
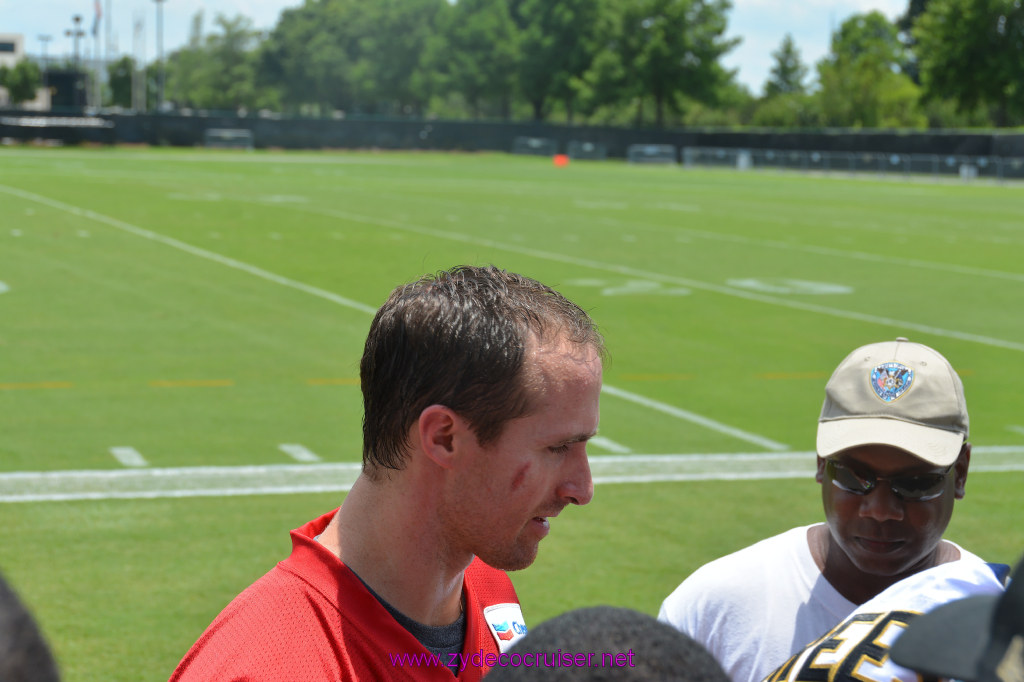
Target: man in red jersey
480 391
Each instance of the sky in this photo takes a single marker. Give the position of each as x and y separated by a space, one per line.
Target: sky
762 24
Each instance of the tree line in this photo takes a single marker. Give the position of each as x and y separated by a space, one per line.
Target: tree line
943 63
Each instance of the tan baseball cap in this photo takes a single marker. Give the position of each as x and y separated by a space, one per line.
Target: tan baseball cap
895 393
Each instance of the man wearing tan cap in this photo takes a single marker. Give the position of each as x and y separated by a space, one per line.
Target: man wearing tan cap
892 459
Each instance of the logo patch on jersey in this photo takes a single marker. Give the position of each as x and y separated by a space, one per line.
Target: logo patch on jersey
504 631
506 624
890 380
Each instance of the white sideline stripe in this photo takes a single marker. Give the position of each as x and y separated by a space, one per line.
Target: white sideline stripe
286 479
129 457
694 418
188 248
298 452
610 445
895 323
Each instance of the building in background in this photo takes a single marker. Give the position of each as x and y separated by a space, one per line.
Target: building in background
12 49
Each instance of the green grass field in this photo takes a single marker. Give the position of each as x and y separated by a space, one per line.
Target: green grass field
204 308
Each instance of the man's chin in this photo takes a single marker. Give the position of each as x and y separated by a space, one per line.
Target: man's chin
515 560
888 563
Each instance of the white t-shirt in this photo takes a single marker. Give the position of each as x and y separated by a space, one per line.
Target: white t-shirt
857 650
755 608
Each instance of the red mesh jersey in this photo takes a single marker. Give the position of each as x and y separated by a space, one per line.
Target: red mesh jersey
310 618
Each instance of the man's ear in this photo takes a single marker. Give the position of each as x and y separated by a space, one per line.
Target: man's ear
820 475
963 463
437 428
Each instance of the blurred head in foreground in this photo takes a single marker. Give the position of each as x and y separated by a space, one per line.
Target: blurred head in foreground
24 655
607 643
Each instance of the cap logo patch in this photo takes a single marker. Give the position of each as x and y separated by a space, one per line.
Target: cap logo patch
890 380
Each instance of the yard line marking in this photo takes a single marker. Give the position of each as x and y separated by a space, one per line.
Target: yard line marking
281 479
677 478
129 457
656 377
27 386
860 255
298 452
1016 429
610 445
792 375
694 418
896 323
188 248
192 383
333 382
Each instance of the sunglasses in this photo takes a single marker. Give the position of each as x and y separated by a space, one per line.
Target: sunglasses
918 488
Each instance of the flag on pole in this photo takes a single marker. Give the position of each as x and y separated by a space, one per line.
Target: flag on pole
96 22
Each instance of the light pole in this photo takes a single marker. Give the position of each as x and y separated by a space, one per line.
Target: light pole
160 53
76 33
44 40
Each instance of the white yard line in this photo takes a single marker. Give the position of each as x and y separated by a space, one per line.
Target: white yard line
694 418
609 445
896 323
281 479
298 452
129 457
188 248
858 255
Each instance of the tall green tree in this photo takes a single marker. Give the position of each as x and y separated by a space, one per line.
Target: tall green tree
220 73
308 56
786 102
389 71
973 52
558 41
119 78
861 81
482 55
668 51
905 23
788 72
22 81
185 69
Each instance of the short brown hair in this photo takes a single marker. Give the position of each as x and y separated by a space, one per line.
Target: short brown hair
457 338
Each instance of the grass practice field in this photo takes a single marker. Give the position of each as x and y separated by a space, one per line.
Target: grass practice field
183 330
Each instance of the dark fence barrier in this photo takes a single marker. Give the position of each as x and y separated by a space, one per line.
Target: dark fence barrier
300 133
966 166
